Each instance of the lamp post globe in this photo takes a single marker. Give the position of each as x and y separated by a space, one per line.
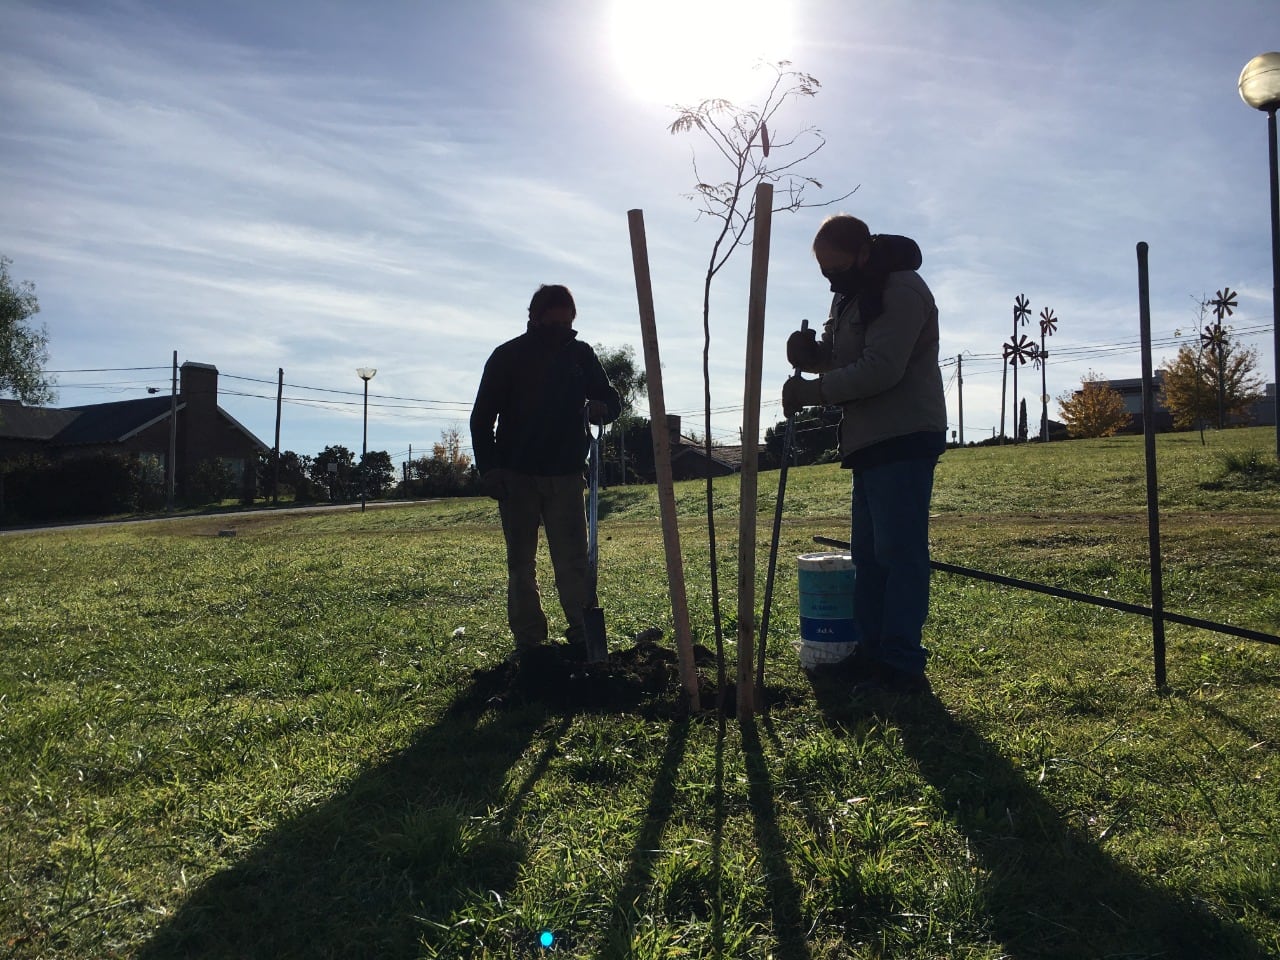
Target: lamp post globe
365 374
1260 81
1260 88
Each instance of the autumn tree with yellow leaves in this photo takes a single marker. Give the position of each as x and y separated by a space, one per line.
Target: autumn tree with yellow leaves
1095 410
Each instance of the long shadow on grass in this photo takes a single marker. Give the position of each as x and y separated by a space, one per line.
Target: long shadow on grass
372 872
784 895
627 905
1050 890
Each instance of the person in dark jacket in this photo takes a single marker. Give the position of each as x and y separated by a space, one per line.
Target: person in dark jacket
539 388
878 360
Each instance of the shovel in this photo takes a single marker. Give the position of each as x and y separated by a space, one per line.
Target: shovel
592 615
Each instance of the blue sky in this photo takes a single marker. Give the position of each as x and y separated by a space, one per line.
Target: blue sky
325 185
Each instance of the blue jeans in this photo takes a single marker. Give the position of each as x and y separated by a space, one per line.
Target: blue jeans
890 547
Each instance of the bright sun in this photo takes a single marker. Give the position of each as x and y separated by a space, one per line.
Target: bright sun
685 51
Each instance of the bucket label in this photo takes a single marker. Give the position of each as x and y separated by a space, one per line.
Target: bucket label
827 631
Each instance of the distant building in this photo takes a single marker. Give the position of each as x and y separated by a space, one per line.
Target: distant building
1130 391
689 460
1262 413
140 428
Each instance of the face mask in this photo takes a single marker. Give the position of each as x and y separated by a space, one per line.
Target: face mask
845 282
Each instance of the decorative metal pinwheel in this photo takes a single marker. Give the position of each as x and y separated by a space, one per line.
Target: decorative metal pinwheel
1225 303
1019 350
1048 322
1021 310
1213 336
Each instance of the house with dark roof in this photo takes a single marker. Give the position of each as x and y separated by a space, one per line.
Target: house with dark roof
206 434
689 459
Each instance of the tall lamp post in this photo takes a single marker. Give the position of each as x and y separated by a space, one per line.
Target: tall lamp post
365 374
1260 89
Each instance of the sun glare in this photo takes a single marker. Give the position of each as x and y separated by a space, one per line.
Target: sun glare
685 51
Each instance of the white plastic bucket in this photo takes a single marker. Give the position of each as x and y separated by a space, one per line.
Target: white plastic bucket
827 630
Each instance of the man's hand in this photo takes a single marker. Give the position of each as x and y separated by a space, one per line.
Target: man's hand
597 411
803 350
494 484
798 393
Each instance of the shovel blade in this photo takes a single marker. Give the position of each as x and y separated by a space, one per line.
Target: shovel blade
597 644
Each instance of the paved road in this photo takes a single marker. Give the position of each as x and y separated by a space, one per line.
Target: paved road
230 515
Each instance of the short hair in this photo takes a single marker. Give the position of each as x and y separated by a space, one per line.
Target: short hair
548 296
842 232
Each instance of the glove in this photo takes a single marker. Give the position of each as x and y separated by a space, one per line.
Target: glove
597 411
803 350
798 393
494 483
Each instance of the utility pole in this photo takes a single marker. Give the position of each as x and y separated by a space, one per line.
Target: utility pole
960 393
275 458
173 435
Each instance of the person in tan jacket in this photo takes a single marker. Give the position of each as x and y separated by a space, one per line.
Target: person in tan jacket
878 361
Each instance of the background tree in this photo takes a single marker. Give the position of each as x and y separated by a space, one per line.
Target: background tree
380 474
338 481
816 440
295 475
447 472
1095 410
628 378
1022 421
631 382
24 350
745 138
1190 388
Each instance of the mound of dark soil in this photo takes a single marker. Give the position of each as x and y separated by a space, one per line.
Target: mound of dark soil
558 676
644 678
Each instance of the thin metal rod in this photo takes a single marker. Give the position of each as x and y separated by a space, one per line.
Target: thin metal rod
1223 628
787 443
1153 492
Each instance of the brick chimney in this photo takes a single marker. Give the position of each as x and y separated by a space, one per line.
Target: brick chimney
673 429
198 421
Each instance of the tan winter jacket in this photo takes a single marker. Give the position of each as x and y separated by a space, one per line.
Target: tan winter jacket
884 373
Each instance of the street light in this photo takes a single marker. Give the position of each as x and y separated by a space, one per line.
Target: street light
1260 89
365 374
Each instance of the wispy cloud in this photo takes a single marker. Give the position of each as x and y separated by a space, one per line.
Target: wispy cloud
391 189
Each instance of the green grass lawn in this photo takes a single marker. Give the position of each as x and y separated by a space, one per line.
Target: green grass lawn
293 743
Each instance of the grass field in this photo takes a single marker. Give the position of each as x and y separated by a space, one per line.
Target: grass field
294 742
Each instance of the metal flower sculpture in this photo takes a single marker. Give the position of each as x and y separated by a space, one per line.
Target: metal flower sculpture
1017 351
1225 303
1048 324
1215 337
1021 312
1020 350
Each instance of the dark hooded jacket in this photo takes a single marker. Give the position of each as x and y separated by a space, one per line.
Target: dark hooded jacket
535 388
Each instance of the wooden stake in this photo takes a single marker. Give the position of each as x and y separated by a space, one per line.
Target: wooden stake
750 442
662 461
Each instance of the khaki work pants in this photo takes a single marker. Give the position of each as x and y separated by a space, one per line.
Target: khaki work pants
557 504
